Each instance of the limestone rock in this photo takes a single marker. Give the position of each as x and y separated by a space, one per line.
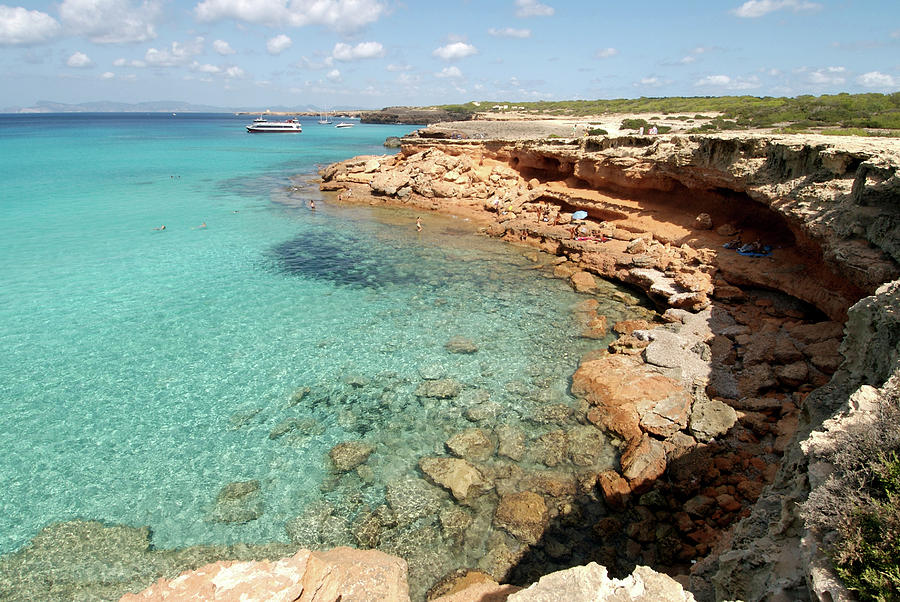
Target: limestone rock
444 388
590 582
471 444
348 455
512 442
583 282
411 499
459 476
643 463
711 418
238 502
460 345
524 515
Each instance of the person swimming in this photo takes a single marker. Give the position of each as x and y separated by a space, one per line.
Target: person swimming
161 228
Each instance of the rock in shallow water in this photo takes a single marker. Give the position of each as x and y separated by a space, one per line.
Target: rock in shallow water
238 502
471 444
444 388
461 345
348 455
524 515
459 476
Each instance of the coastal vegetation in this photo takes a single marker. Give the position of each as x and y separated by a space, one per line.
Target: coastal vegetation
859 113
860 502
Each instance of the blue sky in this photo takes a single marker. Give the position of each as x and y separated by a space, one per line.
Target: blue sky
377 53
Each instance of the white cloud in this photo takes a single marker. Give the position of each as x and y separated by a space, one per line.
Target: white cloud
234 73
451 72
278 44
532 8
107 75
363 50
729 83
111 21
509 32
21 27
651 82
222 47
340 15
79 60
687 60
177 54
714 80
757 8
333 75
394 68
127 63
605 53
456 50
876 79
831 75
205 68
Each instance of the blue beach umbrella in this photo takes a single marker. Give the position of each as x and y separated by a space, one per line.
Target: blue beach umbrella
579 215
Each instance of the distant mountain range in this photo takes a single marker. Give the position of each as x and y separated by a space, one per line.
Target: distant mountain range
161 106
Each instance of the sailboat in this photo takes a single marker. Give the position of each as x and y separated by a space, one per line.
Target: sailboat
324 119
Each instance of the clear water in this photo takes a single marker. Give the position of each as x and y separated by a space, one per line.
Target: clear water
129 354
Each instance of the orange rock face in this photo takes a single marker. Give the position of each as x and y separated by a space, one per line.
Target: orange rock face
340 574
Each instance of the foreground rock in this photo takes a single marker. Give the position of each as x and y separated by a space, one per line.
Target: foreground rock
340 574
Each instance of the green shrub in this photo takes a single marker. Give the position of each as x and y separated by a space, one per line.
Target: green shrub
634 124
597 132
860 503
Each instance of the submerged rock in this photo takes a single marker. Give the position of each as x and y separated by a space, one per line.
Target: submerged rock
348 455
524 515
444 388
471 444
459 476
238 502
411 499
460 345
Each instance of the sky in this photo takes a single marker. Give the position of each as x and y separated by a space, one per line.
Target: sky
379 53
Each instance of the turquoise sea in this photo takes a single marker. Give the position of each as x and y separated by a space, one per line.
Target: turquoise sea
142 370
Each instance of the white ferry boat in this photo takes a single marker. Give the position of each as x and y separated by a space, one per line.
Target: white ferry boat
262 126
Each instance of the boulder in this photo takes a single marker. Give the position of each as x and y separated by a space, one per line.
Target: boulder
411 499
590 582
584 282
348 455
460 345
341 574
643 463
471 444
459 476
711 418
444 388
524 515
238 502
512 442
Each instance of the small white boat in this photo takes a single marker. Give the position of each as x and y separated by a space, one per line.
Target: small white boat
263 126
344 124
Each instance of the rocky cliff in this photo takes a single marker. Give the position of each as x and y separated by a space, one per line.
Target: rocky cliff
666 214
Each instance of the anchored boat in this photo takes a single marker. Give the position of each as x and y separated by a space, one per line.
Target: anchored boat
261 125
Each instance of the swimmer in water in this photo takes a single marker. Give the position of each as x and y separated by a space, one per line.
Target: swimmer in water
312 205
161 228
418 224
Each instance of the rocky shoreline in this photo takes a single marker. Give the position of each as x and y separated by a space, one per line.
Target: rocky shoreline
695 434
705 406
